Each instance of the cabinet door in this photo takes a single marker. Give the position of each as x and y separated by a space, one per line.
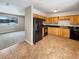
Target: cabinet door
55 19
77 21
52 31
60 32
39 16
64 17
67 17
55 31
48 20
74 20
66 33
61 17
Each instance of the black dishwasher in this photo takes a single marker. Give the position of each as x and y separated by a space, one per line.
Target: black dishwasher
74 33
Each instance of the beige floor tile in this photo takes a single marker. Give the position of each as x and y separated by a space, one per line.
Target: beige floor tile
50 47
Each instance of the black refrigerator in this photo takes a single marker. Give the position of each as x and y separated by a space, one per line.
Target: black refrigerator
37 29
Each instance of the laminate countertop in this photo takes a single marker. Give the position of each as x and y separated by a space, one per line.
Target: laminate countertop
58 25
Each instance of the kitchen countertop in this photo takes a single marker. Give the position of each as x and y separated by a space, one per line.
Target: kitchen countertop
61 25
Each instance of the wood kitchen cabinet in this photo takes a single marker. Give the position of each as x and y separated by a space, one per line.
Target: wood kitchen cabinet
52 30
48 20
61 17
66 32
62 32
55 19
39 16
74 20
52 20
64 17
67 17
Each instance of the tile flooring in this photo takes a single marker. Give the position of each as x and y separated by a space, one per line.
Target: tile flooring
50 47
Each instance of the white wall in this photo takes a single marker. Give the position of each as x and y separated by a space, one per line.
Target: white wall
11 10
10 39
39 12
20 26
29 25
65 13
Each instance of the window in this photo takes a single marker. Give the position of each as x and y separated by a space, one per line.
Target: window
6 19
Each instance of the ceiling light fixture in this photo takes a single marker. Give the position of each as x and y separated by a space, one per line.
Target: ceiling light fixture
54 10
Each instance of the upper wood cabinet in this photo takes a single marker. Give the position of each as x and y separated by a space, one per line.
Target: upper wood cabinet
67 17
48 20
55 19
64 17
61 17
52 20
39 16
74 20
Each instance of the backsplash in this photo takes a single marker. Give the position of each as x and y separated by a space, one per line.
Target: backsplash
64 22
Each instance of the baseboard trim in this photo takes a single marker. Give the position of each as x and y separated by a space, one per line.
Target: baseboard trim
29 42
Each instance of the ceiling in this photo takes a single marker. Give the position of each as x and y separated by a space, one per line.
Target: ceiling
17 3
14 5
48 6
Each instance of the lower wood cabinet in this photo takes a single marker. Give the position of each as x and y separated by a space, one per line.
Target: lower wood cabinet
52 31
66 32
62 32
